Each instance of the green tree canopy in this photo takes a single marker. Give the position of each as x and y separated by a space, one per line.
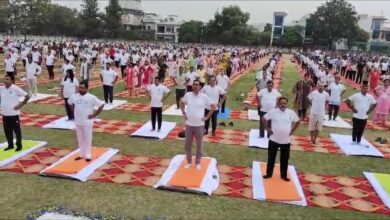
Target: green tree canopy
191 32
292 36
332 21
112 19
92 19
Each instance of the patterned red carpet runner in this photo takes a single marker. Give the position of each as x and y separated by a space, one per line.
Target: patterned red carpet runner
339 192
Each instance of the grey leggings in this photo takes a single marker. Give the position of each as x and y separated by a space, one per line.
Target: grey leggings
191 132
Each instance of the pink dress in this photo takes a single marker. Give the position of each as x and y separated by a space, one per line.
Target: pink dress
383 100
131 77
147 74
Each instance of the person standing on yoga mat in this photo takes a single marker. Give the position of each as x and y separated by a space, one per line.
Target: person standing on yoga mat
283 124
336 90
10 110
108 78
157 95
194 119
83 104
361 104
267 101
213 92
318 100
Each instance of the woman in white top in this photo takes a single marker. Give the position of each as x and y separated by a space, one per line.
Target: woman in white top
69 87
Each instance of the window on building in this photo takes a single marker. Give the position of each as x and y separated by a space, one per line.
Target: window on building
375 34
149 28
279 20
169 30
278 31
161 29
387 35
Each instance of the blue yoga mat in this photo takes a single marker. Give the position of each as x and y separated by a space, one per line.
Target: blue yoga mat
225 115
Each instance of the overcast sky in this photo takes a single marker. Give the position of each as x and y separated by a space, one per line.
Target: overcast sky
260 11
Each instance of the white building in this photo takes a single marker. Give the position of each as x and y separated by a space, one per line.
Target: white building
132 14
371 24
166 29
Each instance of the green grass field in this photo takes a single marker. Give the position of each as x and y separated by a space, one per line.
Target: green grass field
22 194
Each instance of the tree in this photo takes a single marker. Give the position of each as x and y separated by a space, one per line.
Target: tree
112 19
63 21
292 36
4 21
361 35
191 32
268 27
332 21
92 20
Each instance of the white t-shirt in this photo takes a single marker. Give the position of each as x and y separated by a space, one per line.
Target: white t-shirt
191 76
157 94
9 65
66 67
196 105
268 99
223 81
213 93
83 106
50 60
124 59
10 99
69 87
318 101
281 124
32 70
109 77
362 104
384 66
335 93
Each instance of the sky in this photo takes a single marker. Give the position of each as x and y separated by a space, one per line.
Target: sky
260 11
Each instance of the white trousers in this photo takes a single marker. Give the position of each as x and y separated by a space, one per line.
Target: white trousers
32 86
84 139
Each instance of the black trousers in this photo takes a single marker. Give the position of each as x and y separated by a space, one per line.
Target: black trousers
161 77
284 157
117 64
213 119
179 94
50 71
24 62
156 112
94 61
342 71
261 125
11 125
333 110
222 105
123 71
302 113
68 110
359 77
108 93
358 126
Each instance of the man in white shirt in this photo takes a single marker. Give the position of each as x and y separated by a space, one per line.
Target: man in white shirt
104 59
50 59
336 91
318 99
109 78
36 56
66 66
124 59
283 124
10 67
32 72
10 110
267 101
194 119
83 106
214 93
384 67
361 105
190 77
180 83
158 94
224 82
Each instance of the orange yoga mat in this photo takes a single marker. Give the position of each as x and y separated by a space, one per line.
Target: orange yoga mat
277 189
72 166
191 177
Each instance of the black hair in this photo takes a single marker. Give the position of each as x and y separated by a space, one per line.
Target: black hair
84 83
282 98
71 75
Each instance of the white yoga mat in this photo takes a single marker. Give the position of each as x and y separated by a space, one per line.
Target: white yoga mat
256 141
38 97
209 184
172 110
258 187
338 123
63 123
145 130
115 103
365 148
253 115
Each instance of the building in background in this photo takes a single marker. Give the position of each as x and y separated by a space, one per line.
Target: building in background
134 18
277 28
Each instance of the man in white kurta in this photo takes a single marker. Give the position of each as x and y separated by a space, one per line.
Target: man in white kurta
84 115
